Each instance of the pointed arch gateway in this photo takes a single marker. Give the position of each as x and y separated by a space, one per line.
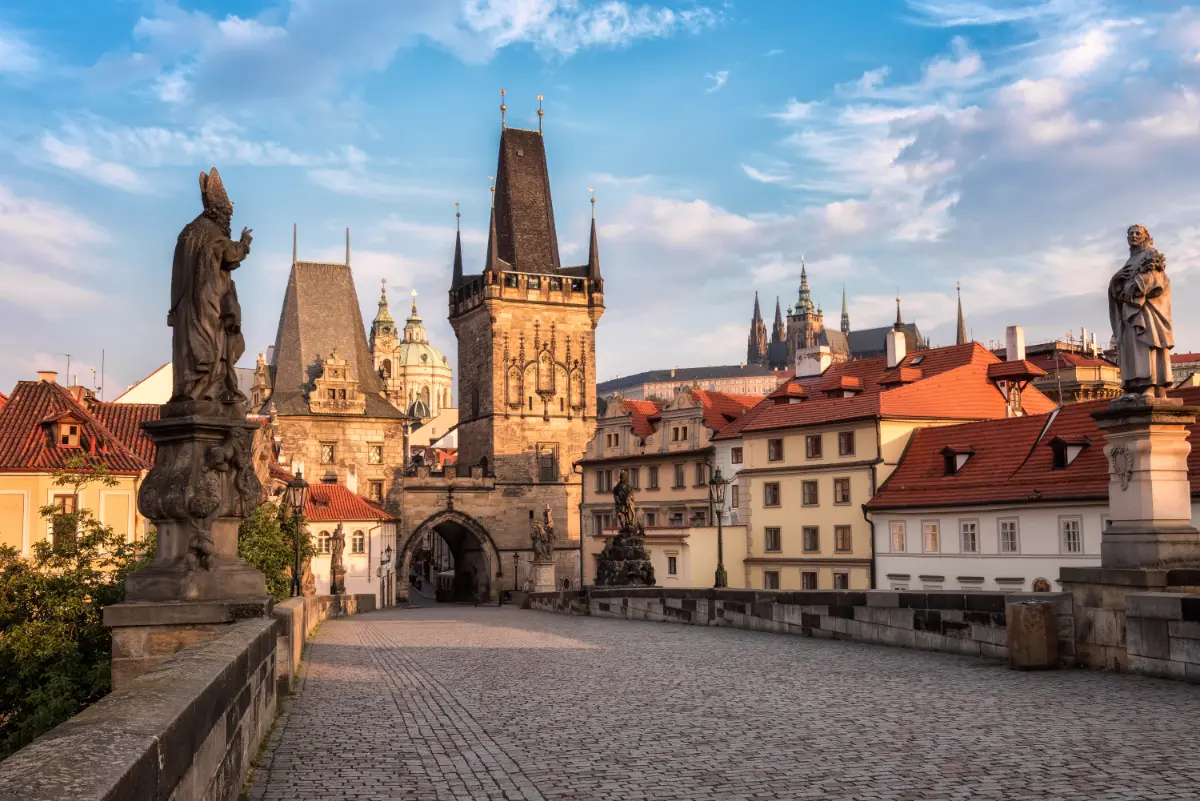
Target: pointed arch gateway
472 550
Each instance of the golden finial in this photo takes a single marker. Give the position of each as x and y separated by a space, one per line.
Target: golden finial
503 108
593 191
492 180
457 217
540 113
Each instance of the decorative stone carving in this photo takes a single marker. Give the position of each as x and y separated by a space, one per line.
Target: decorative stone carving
1139 307
624 562
1122 464
337 569
543 538
203 481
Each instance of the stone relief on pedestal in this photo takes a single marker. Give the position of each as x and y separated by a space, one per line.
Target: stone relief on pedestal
1122 464
1139 307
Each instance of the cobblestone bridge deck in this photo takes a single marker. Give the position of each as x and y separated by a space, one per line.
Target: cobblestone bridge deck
486 703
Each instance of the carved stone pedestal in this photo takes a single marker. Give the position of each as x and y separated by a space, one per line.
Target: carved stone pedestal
201 487
543 577
625 562
1149 497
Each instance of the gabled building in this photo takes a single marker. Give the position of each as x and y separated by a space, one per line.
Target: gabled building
816 450
666 450
326 404
369 531
45 427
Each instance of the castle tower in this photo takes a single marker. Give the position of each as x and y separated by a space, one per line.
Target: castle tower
806 323
526 339
416 376
756 347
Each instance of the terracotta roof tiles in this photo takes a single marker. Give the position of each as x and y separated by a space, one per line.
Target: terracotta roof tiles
335 503
125 421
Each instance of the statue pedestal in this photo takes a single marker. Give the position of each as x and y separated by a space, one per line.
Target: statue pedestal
201 487
543 577
1149 497
625 562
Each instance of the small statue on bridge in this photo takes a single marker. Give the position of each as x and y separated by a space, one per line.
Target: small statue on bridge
337 570
623 503
543 538
1139 307
625 562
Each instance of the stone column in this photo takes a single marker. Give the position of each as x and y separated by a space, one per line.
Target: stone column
201 487
1149 496
544 579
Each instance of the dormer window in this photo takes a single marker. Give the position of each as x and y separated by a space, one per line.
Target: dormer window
1067 450
917 360
955 458
68 435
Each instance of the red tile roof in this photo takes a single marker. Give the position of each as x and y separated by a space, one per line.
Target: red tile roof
27 441
1054 360
645 414
1184 358
3 400
1020 370
335 503
954 385
840 383
125 421
721 408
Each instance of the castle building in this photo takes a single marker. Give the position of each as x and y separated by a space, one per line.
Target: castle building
805 339
416 376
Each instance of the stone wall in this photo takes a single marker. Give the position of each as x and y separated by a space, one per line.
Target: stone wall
1163 634
187 730
971 623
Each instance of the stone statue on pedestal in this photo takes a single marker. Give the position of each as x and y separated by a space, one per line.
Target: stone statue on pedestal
625 562
543 538
1139 307
337 569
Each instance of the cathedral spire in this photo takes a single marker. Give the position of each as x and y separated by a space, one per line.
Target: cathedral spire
804 304
961 337
457 280
778 332
757 314
756 343
845 312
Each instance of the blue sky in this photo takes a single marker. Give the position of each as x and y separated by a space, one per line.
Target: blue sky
905 145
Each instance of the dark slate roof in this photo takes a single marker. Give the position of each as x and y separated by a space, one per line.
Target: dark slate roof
777 354
836 340
27 442
321 314
684 375
873 341
526 238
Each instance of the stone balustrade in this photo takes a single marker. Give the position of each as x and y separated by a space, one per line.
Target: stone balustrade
1162 634
971 623
185 731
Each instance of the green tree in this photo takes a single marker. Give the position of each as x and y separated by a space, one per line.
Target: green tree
54 649
265 540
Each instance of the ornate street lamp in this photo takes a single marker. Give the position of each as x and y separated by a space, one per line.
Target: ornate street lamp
717 485
297 495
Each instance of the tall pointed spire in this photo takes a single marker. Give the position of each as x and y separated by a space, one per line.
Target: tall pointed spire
347 246
593 264
778 331
756 343
899 326
293 244
845 313
804 304
493 256
757 314
961 336
457 278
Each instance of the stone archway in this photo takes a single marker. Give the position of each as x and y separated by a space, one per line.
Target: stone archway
476 560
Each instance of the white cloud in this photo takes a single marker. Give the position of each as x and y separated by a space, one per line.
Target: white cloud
248 31
793 110
49 250
689 225
961 64
871 80
1180 117
1085 52
761 176
774 51
17 57
963 13
79 159
355 181
718 79
845 216
1036 96
618 180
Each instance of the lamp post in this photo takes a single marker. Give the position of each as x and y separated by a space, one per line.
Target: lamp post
516 566
716 494
297 495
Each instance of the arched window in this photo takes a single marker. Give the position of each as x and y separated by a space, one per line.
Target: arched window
446 398
425 395
545 373
358 542
323 542
385 368
514 386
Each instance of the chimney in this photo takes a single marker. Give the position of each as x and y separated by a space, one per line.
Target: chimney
47 376
815 361
352 478
1014 343
896 347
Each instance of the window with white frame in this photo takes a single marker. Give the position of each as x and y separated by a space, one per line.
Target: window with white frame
933 536
969 535
1009 536
323 542
897 536
358 542
1072 534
